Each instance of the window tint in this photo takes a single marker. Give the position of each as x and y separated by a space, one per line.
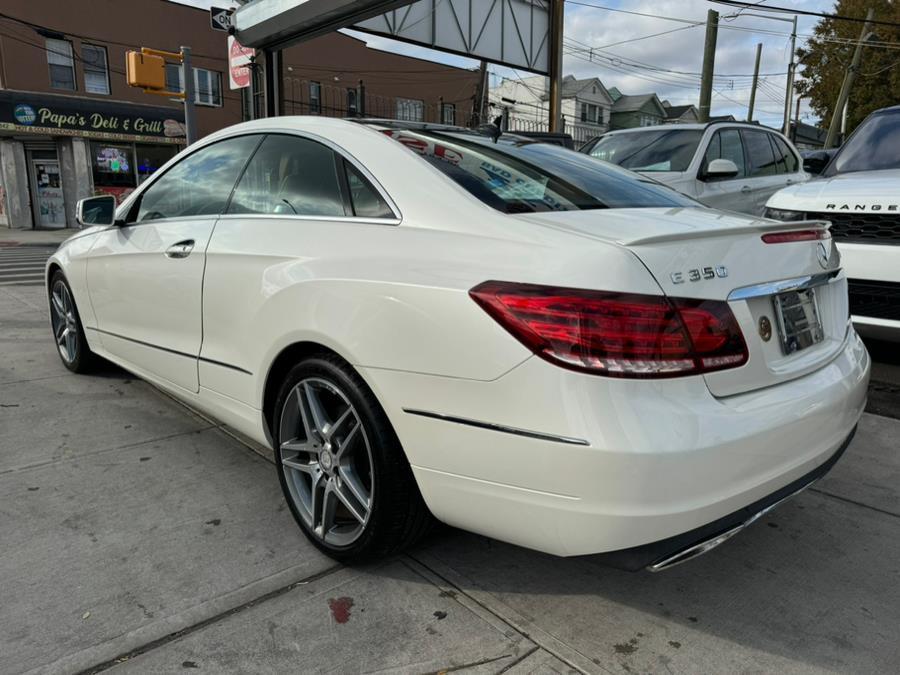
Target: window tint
791 162
656 150
759 153
872 147
726 144
200 183
290 175
518 176
364 198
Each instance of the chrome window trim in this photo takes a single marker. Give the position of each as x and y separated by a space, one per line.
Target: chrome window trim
297 216
774 287
538 435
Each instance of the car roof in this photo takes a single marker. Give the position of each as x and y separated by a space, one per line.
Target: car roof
695 126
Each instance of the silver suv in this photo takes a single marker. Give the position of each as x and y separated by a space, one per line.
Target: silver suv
726 165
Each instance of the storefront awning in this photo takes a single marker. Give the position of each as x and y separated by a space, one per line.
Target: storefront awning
24 112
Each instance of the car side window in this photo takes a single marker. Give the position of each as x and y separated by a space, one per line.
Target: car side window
780 159
759 153
294 176
364 198
792 164
198 185
726 144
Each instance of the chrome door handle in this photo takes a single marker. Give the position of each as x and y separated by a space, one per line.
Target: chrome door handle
746 189
180 250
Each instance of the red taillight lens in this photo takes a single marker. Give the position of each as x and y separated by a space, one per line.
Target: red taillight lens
795 235
616 334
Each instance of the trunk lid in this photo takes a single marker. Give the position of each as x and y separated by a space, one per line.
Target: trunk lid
715 255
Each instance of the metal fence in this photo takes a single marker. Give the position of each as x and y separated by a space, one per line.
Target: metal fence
307 97
580 132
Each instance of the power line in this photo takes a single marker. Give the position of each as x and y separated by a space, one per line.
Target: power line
790 10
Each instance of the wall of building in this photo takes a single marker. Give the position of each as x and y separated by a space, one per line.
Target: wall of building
338 63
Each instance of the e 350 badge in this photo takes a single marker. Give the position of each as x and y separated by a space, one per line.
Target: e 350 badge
699 274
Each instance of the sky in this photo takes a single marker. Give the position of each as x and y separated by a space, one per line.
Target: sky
607 25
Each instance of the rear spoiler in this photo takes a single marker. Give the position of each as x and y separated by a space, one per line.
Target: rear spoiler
759 226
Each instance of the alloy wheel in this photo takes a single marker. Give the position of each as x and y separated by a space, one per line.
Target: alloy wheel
327 461
64 322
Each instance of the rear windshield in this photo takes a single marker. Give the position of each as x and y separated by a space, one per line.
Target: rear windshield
874 146
657 150
522 176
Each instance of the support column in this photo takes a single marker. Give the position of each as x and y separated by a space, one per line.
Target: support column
273 83
556 51
14 170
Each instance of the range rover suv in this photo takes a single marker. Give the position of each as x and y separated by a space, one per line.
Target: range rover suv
859 192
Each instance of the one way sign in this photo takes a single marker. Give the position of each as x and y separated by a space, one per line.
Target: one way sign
219 18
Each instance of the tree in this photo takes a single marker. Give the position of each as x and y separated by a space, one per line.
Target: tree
825 59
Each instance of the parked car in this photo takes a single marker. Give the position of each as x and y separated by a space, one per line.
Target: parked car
726 165
859 193
426 320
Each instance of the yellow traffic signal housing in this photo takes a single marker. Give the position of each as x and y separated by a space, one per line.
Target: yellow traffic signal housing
145 70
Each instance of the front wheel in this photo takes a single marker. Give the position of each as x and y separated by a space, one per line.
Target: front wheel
340 464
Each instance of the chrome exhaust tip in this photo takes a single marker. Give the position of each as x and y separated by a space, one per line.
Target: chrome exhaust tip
709 544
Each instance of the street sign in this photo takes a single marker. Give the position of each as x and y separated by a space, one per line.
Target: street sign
239 58
219 18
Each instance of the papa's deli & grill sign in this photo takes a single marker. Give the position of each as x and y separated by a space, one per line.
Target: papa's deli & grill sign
67 116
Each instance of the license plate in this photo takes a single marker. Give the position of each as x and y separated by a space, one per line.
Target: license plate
799 325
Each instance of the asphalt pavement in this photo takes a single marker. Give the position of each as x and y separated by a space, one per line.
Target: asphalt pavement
138 536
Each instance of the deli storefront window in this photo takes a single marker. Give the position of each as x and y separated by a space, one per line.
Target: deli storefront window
120 167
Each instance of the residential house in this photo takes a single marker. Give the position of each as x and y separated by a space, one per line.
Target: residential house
681 114
635 110
586 105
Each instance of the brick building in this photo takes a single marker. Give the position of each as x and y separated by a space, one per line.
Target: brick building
71 127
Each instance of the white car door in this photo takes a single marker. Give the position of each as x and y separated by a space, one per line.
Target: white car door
145 276
298 207
730 194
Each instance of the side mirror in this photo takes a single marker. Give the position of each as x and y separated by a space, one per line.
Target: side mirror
815 162
96 210
721 168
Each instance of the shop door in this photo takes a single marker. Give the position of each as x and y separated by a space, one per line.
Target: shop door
50 205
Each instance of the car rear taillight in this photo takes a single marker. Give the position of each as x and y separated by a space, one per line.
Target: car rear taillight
616 334
795 235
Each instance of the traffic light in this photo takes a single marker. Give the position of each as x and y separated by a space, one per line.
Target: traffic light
147 71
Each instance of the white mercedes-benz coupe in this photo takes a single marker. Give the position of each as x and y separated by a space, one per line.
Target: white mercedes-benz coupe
511 336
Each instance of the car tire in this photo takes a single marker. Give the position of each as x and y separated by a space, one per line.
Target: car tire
343 472
65 323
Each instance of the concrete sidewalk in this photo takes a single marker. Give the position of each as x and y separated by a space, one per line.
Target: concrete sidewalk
140 537
12 237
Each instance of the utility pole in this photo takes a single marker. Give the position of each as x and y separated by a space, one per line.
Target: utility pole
481 95
848 82
709 64
789 93
556 49
755 80
190 122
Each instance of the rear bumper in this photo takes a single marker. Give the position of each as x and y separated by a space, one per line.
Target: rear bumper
666 553
615 464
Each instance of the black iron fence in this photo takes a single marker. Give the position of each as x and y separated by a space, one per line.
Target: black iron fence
308 97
